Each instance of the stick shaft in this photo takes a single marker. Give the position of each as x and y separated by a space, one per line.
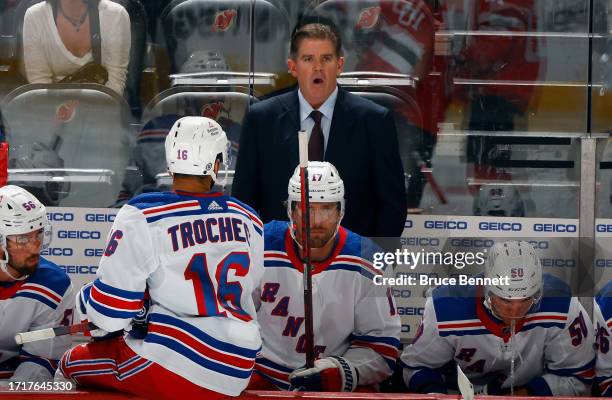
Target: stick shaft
49 333
305 205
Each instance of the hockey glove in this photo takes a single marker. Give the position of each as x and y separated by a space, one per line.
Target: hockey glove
81 311
139 327
330 374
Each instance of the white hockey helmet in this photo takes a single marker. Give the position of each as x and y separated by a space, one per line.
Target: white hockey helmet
519 262
324 184
193 145
499 201
21 213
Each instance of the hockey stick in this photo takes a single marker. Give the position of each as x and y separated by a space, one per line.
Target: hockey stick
305 206
49 333
465 386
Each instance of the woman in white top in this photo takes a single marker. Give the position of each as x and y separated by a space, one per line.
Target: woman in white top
56 44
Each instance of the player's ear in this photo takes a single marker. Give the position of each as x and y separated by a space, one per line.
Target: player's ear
217 166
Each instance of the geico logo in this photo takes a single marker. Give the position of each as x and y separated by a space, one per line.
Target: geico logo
500 226
603 263
472 242
94 252
554 228
408 224
558 262
405 328
461 225
603 228
401 293
410 310
60 216
539 244
79 269
56 251
419 241
78 234
100 217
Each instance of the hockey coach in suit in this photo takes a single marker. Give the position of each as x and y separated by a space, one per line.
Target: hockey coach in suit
355 134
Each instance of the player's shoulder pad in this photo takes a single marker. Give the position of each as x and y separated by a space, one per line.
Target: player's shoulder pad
605 292
236 206
356 255
604 300
556 295
243 205
454 302
359 246
274 235
154 199
49 275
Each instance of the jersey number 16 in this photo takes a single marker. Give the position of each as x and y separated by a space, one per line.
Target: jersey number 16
217 303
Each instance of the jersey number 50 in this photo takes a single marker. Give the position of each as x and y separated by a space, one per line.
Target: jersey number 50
217 303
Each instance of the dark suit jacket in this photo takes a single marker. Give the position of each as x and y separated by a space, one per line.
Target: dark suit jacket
362 145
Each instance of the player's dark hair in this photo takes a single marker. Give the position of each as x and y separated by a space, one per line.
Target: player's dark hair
315 30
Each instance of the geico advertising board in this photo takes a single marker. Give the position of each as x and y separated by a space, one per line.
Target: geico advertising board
79 239
603 252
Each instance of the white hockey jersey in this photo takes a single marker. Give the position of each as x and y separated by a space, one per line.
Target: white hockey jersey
353 318
200 257
602 318
44 300
552 346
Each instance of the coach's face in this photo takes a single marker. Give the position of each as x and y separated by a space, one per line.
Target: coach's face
316 68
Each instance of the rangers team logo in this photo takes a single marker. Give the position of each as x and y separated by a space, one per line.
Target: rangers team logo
66 111
212 110
224 19
368 18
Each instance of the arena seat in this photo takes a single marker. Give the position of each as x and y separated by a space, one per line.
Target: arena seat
69 144
225 27
226 107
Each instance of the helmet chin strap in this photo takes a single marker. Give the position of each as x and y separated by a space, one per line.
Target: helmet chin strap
4 268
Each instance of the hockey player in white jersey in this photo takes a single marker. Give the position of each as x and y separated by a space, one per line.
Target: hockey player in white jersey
356 325
602 318
527 338
34 292
199 256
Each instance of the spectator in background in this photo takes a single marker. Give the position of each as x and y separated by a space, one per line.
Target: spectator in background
57 40
355 134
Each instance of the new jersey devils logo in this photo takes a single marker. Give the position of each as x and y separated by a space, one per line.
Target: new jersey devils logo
66 111
212 110
223 20
368 18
